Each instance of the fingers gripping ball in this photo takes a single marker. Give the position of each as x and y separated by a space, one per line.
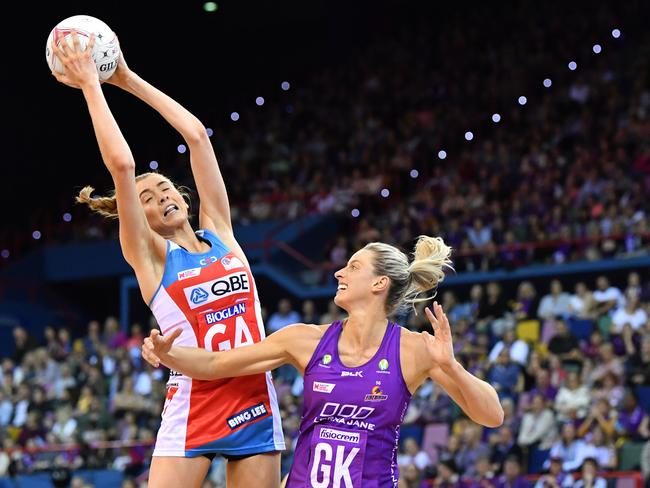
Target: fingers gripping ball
106 51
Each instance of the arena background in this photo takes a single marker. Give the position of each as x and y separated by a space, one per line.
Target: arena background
396 119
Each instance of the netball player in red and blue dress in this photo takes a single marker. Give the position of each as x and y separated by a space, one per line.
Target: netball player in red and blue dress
359 374
198 284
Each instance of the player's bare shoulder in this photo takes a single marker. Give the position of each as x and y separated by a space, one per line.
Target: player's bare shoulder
413 352
307 331
409 339
300 341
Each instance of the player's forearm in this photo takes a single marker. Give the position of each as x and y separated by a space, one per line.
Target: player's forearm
189 126
482 403
194 362
112 145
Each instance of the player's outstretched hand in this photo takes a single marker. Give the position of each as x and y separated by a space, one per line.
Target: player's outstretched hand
156 346
78 64
440 345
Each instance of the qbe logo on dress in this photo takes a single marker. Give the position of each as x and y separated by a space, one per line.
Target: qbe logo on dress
211 291
340 435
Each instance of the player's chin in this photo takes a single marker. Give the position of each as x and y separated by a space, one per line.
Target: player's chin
340 299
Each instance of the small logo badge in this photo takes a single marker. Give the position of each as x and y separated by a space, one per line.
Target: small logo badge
188 273
231 263
383 364
327 359
323 387
199 295
376 395
208 260
356 374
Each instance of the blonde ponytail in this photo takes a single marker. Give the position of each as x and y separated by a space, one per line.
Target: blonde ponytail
408 280
104 206
427 270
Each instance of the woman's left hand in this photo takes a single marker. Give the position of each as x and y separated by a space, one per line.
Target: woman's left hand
80 69
439 346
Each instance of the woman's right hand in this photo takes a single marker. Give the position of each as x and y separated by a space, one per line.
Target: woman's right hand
79 66
122 73
155 347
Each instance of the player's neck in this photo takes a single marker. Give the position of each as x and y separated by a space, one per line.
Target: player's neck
365 328
187 239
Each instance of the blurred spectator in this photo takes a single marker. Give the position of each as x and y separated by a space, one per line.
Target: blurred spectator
631 314
544 387
65 427
512 477
333 313
538 427
92 339
309 315
606 297
471 449
492 311
582 304
283 317
638 365
565 345
525 305
413 455
503 445
23 344
632 422
483 477
518 348
555 304
339 253
591 348
608 389
590 478
603 450
607 363
447 474
506 376
572 450
114 337
21 406
556 477
599 418
572 400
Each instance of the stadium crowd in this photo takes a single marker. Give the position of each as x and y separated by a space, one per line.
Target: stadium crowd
561 178
572 371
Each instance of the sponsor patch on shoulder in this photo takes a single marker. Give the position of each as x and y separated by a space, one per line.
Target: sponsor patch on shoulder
188 273
231 263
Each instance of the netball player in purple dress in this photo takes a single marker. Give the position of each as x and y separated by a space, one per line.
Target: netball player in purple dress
359 374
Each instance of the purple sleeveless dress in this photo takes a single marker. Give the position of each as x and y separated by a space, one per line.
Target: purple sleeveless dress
351 417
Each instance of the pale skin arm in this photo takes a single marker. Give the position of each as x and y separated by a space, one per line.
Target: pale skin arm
137 239
293 345
433 357
215 208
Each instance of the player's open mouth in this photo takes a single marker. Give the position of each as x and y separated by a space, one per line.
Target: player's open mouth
342 286
170 209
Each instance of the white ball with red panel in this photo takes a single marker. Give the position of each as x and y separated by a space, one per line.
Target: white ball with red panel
106 51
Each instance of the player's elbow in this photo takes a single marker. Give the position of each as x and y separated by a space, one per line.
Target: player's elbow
120 163
495 417
197 135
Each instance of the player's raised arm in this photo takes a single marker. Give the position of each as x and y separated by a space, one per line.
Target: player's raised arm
293 345
215 208
136 237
